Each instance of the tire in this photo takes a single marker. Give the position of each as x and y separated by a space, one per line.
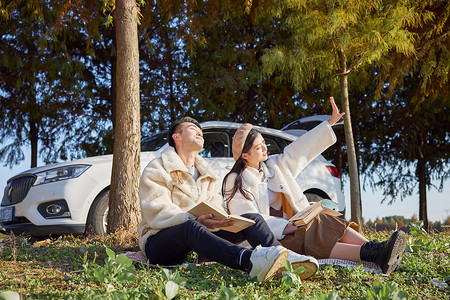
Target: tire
98 214
313 198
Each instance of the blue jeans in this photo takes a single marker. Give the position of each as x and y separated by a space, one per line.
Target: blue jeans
171 246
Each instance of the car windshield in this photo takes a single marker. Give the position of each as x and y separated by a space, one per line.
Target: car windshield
154 142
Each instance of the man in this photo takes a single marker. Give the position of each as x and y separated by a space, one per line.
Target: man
176 182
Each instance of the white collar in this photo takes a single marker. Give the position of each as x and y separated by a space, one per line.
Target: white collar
172 162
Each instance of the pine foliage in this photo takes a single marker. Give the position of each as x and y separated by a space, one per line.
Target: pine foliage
38 82
225 73
431 62
365 31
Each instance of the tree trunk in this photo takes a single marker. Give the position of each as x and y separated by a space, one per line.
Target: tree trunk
113 79
170 83
34 132
124 210
169 68
34 129
338 159
421 173
355 194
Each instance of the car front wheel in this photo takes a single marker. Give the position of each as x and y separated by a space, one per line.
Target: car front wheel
313 198
98 214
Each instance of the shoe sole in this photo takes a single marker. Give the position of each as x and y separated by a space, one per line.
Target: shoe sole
278 263
310 269
395 256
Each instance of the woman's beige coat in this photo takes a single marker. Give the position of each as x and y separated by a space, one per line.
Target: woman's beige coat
280 172
167 191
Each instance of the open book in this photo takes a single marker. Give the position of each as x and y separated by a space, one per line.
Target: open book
239 222
304 216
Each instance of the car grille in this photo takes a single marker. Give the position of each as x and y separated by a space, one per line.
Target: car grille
17 190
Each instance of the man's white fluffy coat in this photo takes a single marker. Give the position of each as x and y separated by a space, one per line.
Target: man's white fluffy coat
165 202
280 172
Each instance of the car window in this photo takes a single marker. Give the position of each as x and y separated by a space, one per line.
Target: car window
273 147
216 145
302 125
154 142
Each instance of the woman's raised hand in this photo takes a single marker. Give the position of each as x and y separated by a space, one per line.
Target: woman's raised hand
335 116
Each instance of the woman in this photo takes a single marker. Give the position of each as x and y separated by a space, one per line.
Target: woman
266 185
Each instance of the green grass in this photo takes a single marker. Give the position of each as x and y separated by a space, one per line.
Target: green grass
64 269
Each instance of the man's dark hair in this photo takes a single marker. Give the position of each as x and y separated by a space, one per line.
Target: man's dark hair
174 126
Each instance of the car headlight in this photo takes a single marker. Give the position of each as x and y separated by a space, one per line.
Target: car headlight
58 174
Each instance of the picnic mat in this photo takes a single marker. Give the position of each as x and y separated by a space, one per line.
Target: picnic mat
367 266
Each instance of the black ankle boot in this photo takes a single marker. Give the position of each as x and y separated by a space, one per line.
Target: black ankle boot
387 254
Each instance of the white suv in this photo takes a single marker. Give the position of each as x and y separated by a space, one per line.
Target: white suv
72 197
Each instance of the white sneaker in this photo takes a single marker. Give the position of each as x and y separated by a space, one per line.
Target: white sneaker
308 262
266 261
